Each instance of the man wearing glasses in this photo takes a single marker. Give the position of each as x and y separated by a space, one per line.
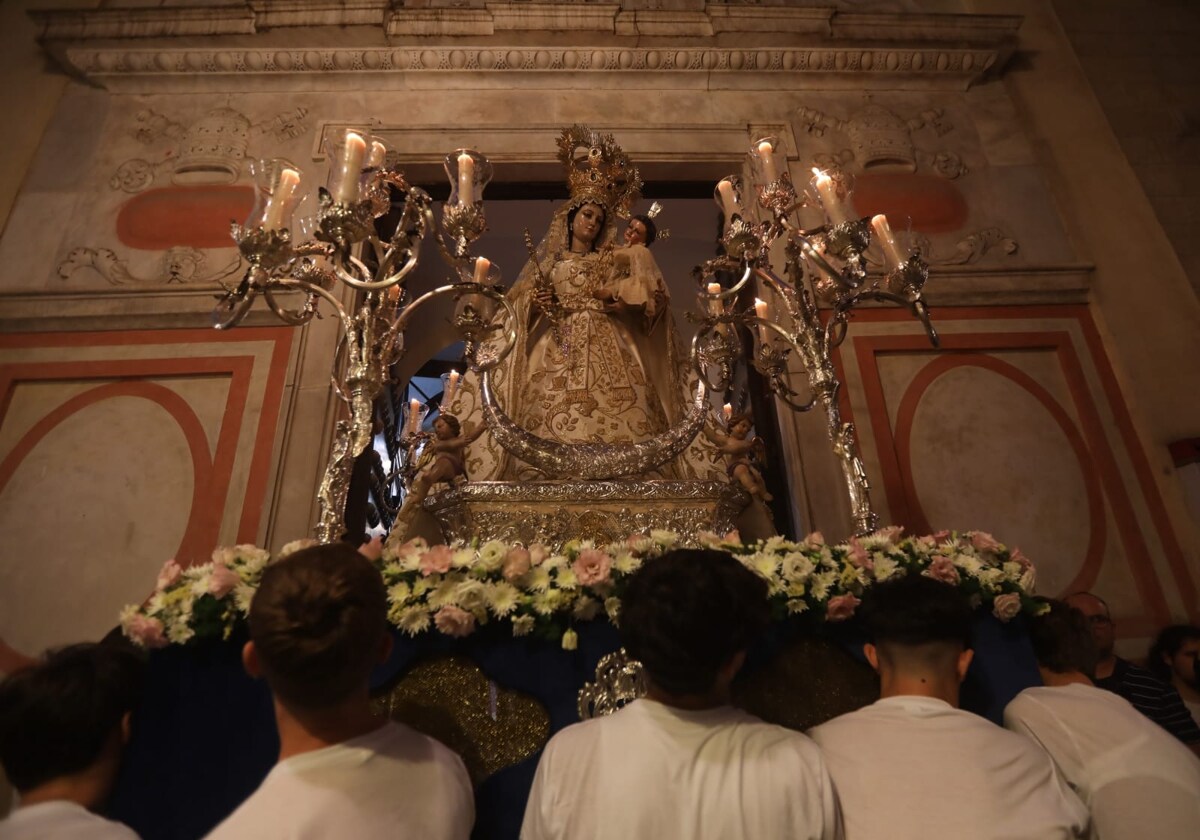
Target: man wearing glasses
1149 695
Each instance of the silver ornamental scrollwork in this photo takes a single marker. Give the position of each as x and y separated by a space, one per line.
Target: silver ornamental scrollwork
620 679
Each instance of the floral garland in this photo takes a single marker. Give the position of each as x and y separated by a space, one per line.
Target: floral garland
457 588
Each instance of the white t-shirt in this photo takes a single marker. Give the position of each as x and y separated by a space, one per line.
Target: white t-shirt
61 820
916 767
393 782
660 773
1139 780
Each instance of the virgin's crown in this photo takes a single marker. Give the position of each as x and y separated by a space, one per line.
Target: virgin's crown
598 171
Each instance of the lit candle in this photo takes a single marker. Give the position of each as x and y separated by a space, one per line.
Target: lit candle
378 153
481 270
766 153
279 203
727 410
352 158
451 387
760 309
728 201
715 306
829 198
414 416
466 179
893 256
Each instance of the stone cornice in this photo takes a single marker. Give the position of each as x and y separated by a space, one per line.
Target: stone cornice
158 47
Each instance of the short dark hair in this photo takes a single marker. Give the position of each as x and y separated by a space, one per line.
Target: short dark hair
1062 640
916 610
571 220
57 716
452 422
685 614
1168 643
651 228
316 622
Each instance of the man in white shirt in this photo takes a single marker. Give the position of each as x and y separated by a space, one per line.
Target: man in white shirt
1137 779
64 723
914 765
318 625
681 762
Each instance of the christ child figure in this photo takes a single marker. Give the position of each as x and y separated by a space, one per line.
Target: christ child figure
445 449
741 450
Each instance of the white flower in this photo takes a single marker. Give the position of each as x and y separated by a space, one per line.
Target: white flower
179 632
969 563
795 606
545 603
797 566
991 578
885 567
421 585
491 555
398 593
612 606
566 578
296 545
821 584
523 625
502 597
413 620
777 544
570 640
626 563
445 592
663 539
1028 580
243 594
470 595
764 564
586 608
463 558
558 561
252 557
538 579
225 555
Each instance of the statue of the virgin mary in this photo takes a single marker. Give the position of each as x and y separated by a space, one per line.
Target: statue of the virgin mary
598 358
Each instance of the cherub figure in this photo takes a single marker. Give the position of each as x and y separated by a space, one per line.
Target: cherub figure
445 452
742 451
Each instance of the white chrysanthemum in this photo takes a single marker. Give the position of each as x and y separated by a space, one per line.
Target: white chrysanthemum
409 561
471 595
243 594
252 557
199 585
778 545
626 563
548 602
156 604
764 564
463 558
491 555
990 578
296 545
398 593
502 597
969 563
566 578
444 593
612 607
179 632
523 625
1028 580
391 570
885 567
825 557
225 555
557 561
127 616
537 579
821 583
796 588
795 606
1012 571
413 620
420 586
663 539
586 608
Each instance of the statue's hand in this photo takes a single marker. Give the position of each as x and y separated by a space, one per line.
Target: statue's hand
545 300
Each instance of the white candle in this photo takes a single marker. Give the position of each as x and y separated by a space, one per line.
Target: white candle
829 199
760 309
279 203
482 264
352 158
451 387
893 256
766 153
466 179
727 410
414 416
715 306
378 153
728 201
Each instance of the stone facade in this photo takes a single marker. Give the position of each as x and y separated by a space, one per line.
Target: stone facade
1066 325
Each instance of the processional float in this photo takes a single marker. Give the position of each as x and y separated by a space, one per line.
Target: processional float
826 275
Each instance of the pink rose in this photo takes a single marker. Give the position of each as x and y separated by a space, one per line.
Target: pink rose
841 607
592 566
454 621
146 631
637 543
222 581
1020 559
516 563
170 574
436 561
538 554
814 540
890 533
942 568
984 541
733 537
941 536
1006 606
859 556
